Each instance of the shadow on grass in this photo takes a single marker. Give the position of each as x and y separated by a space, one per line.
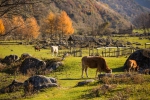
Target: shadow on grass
75 78
97 93
119 69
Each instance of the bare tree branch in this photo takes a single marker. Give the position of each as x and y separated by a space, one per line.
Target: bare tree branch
7 33
7 6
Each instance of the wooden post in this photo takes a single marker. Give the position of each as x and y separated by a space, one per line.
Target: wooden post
80 52
70 47
92 50
109 52
117 54
105 52
89 48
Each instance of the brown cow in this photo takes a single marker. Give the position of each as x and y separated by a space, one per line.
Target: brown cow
94 62
37 48
132 65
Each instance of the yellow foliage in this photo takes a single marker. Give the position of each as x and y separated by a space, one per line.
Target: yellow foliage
32 28
65 24
19 23
50 23
58 24
2 28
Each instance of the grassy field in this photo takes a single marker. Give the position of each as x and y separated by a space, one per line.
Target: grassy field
137 88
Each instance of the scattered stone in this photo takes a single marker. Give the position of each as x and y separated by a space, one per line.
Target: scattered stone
39 82
33 66
105 75
142 57
86 82
24 56
10 59
14 86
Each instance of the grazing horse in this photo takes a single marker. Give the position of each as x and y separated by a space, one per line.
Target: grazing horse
37 48
54 50
132 65
94 62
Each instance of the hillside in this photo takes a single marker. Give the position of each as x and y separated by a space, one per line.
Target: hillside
145 3
86 15
127 8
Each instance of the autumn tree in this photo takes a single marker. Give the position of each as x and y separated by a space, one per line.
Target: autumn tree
2 28
15 7
57 24
49 26
32 28
18 21
65 24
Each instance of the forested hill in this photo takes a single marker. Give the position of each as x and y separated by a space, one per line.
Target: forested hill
145 3
128 8
85 14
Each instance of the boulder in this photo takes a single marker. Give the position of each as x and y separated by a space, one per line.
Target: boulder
32 64
105 75
39 82
24 56
142 58
10 59
82 83
14 86
53 65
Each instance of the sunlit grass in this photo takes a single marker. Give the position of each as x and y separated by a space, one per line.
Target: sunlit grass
141 31
70 75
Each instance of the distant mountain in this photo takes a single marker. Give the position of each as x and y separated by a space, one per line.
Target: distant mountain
128 8
145 3
86 15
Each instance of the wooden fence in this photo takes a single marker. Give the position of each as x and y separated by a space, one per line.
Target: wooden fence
114 51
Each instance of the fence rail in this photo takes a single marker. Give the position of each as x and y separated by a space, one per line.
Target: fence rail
114 51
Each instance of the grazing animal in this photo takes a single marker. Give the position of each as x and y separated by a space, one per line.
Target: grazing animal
146 71
132 65
37 48
94 62
54 50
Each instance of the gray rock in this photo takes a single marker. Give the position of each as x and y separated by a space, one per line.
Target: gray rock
40 82
33 64
142 58
85 82
14 86
10 59
24 56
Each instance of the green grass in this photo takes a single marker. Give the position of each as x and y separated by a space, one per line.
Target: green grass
20 49
70 75
141 31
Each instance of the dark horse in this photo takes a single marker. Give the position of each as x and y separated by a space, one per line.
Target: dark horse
37 48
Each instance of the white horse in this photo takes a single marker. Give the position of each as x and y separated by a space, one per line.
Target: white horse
54 50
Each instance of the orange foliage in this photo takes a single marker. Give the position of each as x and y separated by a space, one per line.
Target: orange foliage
65 24
2 28
18 22
32 28
50 23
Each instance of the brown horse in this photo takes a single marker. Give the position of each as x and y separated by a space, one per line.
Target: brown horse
132 65
94 62
37 48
